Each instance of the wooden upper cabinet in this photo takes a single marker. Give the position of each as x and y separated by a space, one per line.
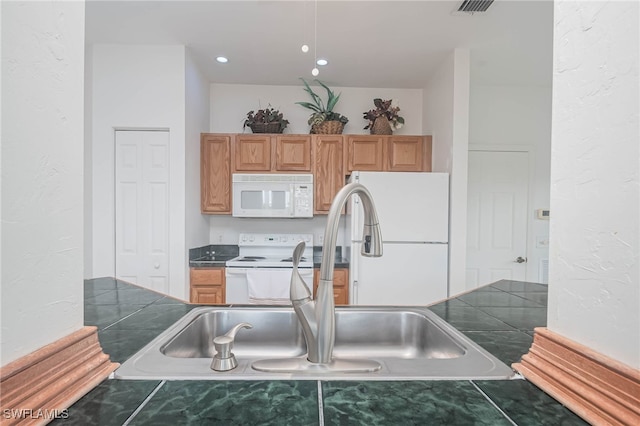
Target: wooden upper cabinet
389 153
364 152
252 153
327 170
328 157
215 173
405 154
293 153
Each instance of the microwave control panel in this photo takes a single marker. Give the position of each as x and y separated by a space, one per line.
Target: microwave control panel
303 200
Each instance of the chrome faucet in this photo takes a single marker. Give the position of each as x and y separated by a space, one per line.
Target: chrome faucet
318 317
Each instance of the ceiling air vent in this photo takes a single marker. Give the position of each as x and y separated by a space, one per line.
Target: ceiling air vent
471 6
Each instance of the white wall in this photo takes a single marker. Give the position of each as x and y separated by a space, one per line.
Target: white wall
196 122
88 164
230 104
594 295
446 117
138 87
518 117
226 229
42 186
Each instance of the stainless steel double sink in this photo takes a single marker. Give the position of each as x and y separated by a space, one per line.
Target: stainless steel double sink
409 343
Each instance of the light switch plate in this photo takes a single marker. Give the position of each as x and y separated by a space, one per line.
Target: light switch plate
542 241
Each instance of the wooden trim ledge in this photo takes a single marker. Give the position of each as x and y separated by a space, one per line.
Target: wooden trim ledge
41 385
597 388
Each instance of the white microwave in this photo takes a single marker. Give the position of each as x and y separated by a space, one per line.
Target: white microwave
272 195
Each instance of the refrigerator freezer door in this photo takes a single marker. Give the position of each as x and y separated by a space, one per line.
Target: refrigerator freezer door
406 274
411 206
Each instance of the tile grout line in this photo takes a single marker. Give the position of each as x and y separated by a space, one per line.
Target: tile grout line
122 319
127 316
493 403
142 405
320 404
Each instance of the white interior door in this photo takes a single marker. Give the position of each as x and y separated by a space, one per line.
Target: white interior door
498 190
142 208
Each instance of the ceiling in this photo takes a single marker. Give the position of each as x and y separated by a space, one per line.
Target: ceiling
377 44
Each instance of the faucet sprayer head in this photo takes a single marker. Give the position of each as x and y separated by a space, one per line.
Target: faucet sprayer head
372 241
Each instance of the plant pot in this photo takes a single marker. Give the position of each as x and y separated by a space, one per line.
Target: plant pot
381 126
266 128
329 127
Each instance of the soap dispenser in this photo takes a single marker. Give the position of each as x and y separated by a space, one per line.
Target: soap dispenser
224 359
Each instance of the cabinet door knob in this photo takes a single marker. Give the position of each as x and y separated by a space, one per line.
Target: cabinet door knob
521 259
157 266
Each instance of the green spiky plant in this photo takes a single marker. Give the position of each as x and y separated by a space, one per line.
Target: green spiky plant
320 111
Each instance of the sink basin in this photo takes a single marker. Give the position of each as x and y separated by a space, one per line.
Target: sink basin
409 343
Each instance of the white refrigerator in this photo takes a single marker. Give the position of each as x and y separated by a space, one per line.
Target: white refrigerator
413 211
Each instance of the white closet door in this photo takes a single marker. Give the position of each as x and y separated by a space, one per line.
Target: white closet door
142 208
498 192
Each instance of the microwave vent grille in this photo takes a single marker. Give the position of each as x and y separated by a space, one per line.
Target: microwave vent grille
292 178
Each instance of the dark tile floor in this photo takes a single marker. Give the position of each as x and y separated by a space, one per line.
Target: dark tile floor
500 317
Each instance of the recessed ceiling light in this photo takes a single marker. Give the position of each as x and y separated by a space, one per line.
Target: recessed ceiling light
322 62
222 59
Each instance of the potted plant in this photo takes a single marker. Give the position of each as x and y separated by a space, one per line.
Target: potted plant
384 119
268 120
323 120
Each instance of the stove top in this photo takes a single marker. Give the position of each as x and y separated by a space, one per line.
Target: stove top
267 262
272 251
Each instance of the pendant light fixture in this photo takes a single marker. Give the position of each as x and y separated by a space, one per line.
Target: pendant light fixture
305 46
315 71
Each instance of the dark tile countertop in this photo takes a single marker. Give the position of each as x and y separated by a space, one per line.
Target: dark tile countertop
339 260
216 256
500 317
212 256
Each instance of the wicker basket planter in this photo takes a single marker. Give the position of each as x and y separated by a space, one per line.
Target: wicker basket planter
328 128
266 128
381 126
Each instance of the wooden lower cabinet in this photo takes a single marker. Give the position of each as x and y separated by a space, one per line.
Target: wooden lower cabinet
207 286
340 285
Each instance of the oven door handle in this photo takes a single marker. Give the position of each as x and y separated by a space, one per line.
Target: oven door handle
305 272
235 271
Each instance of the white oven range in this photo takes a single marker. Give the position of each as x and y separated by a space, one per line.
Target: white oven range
262 272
